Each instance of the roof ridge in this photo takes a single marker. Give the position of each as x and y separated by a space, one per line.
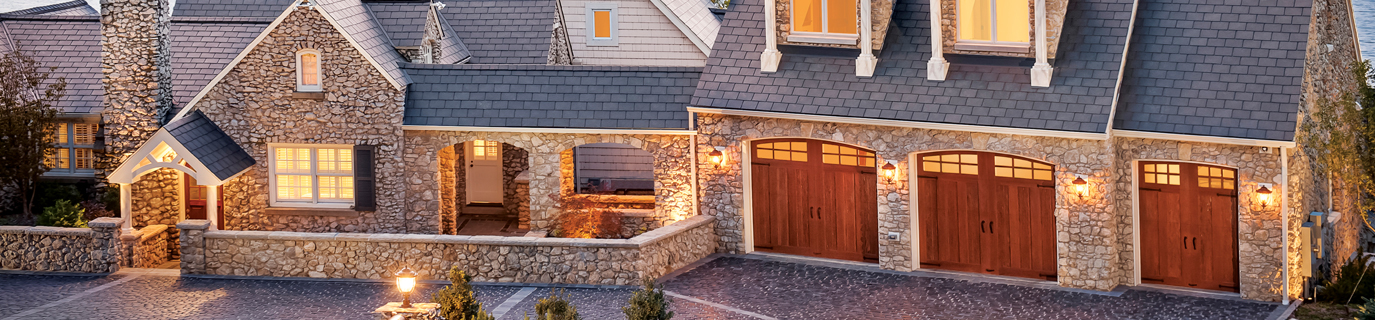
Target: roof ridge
262 20
545 67
36 17
48 8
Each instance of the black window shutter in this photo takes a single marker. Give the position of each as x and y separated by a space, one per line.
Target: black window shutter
364 178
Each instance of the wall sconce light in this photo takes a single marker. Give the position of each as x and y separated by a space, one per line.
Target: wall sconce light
1080 186
1263 194
717 157
890 171
405 281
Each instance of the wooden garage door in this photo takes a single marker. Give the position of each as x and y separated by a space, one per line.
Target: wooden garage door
1188 215
987 213
814 198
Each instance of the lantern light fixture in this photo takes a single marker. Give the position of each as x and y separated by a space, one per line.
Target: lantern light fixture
717 157
405 281
1080 186
1263 194
890 171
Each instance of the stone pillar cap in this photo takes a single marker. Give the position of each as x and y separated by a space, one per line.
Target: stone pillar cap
105 222
194 224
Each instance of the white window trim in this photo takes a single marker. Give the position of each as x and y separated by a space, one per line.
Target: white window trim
319 70
591 25
982 45
315 181
71 146
825 36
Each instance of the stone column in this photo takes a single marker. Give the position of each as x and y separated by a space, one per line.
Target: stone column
193 245
137 76
105 246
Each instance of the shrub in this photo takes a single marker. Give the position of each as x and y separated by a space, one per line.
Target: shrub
555 307
648 303
1354 281
583 217
63 214
49 193
1366 311
95 209
456 301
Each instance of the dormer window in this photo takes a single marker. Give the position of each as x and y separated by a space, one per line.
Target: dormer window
308 71
824 21
602 25
994 25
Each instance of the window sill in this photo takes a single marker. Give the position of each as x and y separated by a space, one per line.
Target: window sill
994 47
308 95
304 211
846 39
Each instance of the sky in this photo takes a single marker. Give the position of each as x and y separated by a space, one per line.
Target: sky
1365 26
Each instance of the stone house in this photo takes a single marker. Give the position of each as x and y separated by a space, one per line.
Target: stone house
1094 143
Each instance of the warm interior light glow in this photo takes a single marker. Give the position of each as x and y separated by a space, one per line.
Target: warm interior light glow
405 281
889 172
1263 194
1080 186
405 284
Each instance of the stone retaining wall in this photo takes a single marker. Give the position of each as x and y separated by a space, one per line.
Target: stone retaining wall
487 258
148 248
93 249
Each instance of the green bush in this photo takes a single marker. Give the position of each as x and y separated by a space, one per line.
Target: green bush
63 214
648 303
1353 282
1366 311
49 193
456 301
555 307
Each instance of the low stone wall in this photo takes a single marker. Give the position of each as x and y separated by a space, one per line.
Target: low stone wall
94 249
486 258
148 247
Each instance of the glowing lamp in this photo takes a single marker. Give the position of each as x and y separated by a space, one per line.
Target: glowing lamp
717 157
1080 186
890 171
1263 194
405 281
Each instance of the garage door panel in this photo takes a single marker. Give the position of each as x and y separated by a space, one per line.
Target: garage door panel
814 198
1188 226
976 219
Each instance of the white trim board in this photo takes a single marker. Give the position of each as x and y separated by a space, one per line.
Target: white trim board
904 124
266 31
1202 139
683 27
1122 69
551 130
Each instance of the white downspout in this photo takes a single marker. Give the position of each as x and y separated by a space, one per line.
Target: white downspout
865 64
1284 220
1041 71
692 155
768 61
937 66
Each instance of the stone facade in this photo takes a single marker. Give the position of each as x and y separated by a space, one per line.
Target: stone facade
137 80
486 258
1087 229
1259 230
672 171
560 49
192 245
148 247
448 191
514 162
254 104
92 250
155 198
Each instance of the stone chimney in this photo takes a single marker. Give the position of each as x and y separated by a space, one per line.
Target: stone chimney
136 60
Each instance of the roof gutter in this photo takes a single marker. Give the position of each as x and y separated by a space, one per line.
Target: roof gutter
905 124
551 130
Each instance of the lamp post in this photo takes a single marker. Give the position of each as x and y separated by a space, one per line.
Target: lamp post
405 281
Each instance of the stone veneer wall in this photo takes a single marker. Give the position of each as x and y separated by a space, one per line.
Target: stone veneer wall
514 161
254 104
93 250
1087 230
448 191
136 63
148 248
672 170
486 258
155 198
1259 233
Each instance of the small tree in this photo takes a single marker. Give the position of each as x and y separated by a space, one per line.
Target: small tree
555 307
63 214
648 303
26 116
456 300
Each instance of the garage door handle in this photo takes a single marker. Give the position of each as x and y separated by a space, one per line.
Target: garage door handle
1186 243
981 226
990 227
1195 243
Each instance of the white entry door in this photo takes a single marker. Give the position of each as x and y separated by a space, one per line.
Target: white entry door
484 171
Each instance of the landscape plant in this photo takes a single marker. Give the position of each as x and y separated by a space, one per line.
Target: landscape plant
648 303
27 114
63 214
555 307
457 300
1354 281
1338 135
1366 311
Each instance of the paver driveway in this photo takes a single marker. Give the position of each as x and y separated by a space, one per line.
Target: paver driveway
726 287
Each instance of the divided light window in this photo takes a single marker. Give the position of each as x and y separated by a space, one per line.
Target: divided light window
73 148
308 71
995 21
312 175
825 21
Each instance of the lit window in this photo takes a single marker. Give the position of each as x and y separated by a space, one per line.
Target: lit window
602 24
73 149
995 21
825 16
842 155
486 150
1161 174
951 163
790 151
312 174
308 71
1008 167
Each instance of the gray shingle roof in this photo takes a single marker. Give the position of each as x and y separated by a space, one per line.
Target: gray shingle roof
403 21
505 31
230 8
1229 68
355 19
1078 100
210 145
201 47
543 96
70 8
452 47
